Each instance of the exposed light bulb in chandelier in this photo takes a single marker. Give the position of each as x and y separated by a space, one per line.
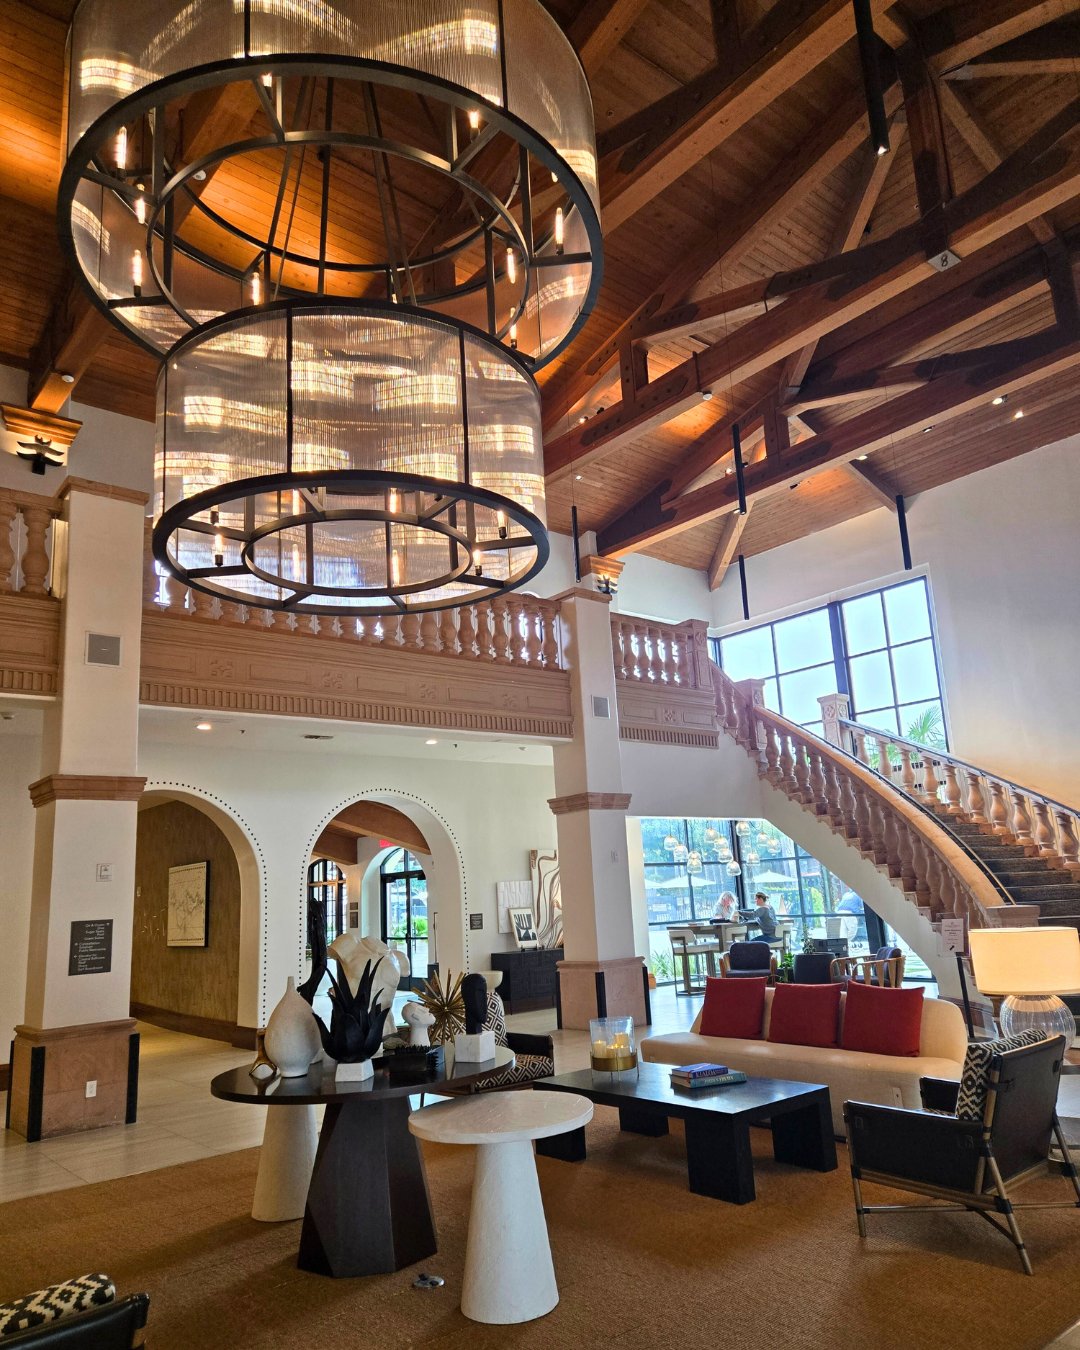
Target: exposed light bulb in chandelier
513 337
137 272
500 520
219 551
267 78
478 562
395 568
742 828
140 207
256 288
511 267
392 502
474 119
694 865
670 842
122 149
560 230
711 834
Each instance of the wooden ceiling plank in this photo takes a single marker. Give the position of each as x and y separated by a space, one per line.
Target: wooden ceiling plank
727 546
824 150
600 27
981 142
1042 174
873 171
785 46
1053 49
955 36
708 450
887 381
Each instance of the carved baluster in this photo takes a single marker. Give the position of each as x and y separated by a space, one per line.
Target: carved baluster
816 780
676 663
976 803
429 631
669 668
786 762
930 784
467 630
151 581
802 772
905 850
834 777
35 561
549 647
772 753
393 634
202 605
1021 818
862 817
282 621
953 805
935 874
1068 845
8 512
448 642
907 772
618 648
175 594
849 805
372 631
999 811
485 624
884 767
891 835
501 638
233 614
641 653
859 737
534 632
1044 831
410 631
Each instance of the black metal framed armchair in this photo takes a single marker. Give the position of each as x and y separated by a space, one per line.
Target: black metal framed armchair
968 1163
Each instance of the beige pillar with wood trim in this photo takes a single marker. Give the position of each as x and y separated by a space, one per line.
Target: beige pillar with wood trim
601 974
75 1058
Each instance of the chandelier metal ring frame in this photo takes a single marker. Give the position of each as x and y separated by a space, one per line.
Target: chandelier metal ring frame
130 71
276 523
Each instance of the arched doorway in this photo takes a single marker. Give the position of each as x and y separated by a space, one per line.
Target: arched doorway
207 984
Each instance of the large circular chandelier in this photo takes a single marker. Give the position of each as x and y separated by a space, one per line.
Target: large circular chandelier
353 228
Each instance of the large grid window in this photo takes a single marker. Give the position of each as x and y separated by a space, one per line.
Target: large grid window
326 884
405 910
878 648
687 880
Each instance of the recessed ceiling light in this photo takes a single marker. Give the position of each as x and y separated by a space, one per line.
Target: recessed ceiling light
579 476
66 376
706 394
431 741
1018 414
728 472
199 175
999 399
927 430
204 726
582 419
862 457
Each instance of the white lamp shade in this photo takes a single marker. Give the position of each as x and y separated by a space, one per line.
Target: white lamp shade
1026 960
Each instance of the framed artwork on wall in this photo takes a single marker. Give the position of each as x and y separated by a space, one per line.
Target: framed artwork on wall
524 923
189 895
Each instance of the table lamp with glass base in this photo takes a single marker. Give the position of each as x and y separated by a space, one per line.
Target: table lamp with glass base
1031 966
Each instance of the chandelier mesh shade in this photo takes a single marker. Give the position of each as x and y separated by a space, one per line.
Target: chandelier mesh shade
348 459
439 153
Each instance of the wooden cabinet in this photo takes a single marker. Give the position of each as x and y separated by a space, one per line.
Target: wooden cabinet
528 980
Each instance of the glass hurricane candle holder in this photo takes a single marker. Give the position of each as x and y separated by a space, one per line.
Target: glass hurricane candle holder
612 1048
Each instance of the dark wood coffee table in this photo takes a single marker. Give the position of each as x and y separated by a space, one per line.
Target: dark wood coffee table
717 1122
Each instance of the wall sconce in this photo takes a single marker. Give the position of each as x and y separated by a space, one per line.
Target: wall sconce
41 454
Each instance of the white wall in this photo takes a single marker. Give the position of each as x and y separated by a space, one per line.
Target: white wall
1002 550
20 765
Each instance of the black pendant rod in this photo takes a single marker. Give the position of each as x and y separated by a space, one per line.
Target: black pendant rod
901 520
740 477
871 73
742 587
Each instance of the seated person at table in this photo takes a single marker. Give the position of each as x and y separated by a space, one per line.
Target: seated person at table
764 916
725 907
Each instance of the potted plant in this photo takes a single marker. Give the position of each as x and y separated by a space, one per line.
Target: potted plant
356 1025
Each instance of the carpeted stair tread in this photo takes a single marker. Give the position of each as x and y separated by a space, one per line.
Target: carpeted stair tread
642 1263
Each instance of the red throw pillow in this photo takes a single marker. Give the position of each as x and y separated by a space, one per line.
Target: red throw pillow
806 1014
734 1008
882 1021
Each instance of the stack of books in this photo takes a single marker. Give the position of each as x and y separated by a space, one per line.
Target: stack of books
705 1075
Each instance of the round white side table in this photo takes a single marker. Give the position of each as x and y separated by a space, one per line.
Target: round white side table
290 1139
508 1272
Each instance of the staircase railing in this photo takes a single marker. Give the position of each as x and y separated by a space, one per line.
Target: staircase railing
891 827
965 792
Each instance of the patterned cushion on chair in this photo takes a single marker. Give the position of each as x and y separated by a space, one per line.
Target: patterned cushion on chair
59 1300
496 1018
975 1078
526 1070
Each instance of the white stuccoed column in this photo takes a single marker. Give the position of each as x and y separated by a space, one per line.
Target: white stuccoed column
602 974
75 1061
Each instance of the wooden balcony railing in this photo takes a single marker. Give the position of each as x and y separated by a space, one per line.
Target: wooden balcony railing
29 615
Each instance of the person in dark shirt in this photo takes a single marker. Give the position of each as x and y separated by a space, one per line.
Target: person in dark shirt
765 916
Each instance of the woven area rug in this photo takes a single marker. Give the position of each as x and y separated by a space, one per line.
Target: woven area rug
641 1262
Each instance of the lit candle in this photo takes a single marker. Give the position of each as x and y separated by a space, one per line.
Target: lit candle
559 230
121 149
511 266
137 271
219 551
474 119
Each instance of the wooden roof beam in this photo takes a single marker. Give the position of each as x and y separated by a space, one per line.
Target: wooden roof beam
679 131
827 146
887 381
1051 50
1040 175
727 546
968 30
879 488
600 27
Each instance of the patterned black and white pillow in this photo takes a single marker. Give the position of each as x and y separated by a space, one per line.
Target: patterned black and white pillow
59 1300
975 1078
496 1018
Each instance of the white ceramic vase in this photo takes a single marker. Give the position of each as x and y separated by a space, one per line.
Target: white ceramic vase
292 1036
357 1072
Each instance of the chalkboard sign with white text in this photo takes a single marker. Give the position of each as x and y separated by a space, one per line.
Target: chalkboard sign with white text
91 947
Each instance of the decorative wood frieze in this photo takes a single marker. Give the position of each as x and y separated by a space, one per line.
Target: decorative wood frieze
29 644
664 714
86 787
589 801
207 666
31 422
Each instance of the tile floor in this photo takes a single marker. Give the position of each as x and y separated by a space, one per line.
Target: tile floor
179 1121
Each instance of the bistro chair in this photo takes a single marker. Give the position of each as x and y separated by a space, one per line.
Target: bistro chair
812 968
688 946
884 968
975 1141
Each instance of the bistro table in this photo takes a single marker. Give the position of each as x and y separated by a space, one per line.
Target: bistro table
367 1210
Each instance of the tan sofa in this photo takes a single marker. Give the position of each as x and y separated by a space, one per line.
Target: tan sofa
890 1080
